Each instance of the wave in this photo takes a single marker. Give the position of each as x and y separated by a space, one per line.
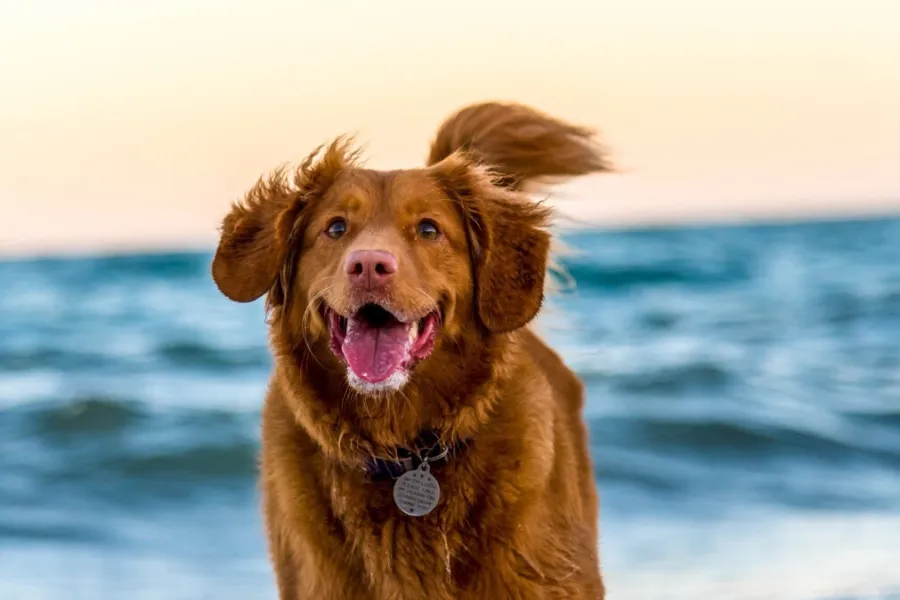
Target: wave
889 419
172 354
110 439
848 307
47 358
165 265
89 415
228 459
715 463
624 277
53 532
745 441
695 376
190 354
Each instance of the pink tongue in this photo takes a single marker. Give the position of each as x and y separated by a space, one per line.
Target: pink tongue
375 353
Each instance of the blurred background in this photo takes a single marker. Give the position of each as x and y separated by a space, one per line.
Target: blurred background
736 316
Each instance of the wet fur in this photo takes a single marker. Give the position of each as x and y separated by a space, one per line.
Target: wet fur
518 512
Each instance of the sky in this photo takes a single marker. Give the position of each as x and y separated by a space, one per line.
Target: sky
134 125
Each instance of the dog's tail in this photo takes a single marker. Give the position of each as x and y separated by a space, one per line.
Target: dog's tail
523 145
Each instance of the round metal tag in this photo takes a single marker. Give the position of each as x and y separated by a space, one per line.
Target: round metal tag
417 492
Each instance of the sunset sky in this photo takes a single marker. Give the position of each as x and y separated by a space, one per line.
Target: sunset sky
126 124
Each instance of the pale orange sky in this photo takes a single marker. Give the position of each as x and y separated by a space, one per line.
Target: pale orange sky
136 124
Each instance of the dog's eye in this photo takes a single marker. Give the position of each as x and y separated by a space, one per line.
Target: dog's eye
336 228
428 230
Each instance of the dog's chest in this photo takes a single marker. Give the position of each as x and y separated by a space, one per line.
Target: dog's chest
400 558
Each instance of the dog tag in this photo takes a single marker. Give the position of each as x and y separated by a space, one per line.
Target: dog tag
417 492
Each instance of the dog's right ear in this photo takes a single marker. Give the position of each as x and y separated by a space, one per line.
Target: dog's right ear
254 239
258 231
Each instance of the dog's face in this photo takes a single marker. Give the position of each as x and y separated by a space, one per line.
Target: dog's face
385 264
386 277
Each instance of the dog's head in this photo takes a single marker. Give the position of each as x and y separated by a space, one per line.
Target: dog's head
402 284
379 273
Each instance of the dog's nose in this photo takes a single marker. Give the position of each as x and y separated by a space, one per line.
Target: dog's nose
370 268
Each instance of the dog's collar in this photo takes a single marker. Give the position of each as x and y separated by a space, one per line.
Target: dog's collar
428 447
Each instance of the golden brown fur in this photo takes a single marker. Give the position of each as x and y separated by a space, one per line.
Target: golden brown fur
518 511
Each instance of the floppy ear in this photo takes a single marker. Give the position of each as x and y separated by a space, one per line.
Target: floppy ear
254 240
508 241
510 278
258 231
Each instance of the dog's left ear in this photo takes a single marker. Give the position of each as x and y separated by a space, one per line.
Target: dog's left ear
510 274
258 231
508 241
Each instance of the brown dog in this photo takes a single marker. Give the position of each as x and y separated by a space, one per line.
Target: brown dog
419 441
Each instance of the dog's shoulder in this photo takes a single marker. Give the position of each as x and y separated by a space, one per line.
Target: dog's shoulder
567 387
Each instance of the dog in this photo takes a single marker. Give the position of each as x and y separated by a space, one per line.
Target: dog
419 440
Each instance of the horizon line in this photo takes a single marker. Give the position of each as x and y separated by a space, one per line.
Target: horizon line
89 250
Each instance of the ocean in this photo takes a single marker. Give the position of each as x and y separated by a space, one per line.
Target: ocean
743 402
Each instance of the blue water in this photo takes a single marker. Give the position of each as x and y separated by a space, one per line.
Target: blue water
743 401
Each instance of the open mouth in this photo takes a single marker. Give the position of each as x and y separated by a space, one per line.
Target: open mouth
376 345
